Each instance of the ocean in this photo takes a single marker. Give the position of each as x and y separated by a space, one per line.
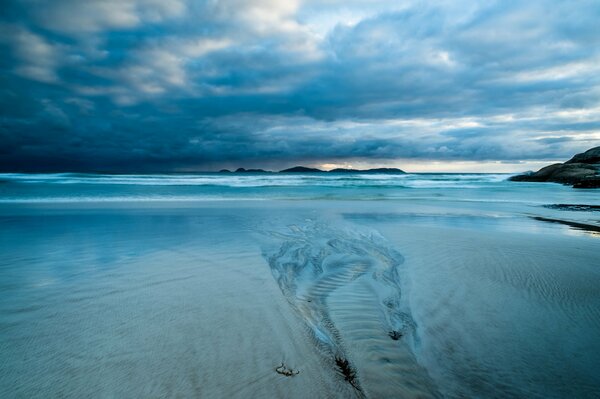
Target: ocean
298 285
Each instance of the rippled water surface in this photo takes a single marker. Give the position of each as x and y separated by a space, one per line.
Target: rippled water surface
434 285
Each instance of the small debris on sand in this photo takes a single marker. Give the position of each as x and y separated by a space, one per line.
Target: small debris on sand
288 372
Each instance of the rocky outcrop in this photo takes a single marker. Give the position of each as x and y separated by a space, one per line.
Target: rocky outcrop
593 182
581 171
591 156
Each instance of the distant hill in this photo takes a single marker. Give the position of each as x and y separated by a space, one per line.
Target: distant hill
304 169
301 169
242 170
581 171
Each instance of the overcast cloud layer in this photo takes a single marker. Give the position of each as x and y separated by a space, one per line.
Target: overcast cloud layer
148 85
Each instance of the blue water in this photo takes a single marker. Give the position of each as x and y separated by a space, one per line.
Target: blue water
16 187
427 285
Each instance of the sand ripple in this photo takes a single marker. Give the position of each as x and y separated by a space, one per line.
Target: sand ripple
346 285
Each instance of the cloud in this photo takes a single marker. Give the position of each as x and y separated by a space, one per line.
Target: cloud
80 17
35 57
175 84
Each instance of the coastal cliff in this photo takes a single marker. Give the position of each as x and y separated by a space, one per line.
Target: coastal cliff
581 171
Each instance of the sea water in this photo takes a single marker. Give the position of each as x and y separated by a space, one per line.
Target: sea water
416 285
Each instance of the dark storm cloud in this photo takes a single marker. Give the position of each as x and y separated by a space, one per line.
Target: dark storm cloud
178 85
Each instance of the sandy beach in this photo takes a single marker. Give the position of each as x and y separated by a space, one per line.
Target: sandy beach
409 298
299 199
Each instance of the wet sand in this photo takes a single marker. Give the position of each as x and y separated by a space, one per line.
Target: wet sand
208 300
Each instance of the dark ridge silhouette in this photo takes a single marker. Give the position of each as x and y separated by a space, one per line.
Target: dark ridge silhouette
242 170
301 169
591 156
305 169
581 171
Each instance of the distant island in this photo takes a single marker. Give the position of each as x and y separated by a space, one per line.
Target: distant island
581 171
304 169
301 169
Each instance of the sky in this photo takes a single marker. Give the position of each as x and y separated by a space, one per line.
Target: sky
181 85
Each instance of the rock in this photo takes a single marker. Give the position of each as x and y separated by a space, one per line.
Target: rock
593 182
581 171
224 171
560 173
574 207
591 156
